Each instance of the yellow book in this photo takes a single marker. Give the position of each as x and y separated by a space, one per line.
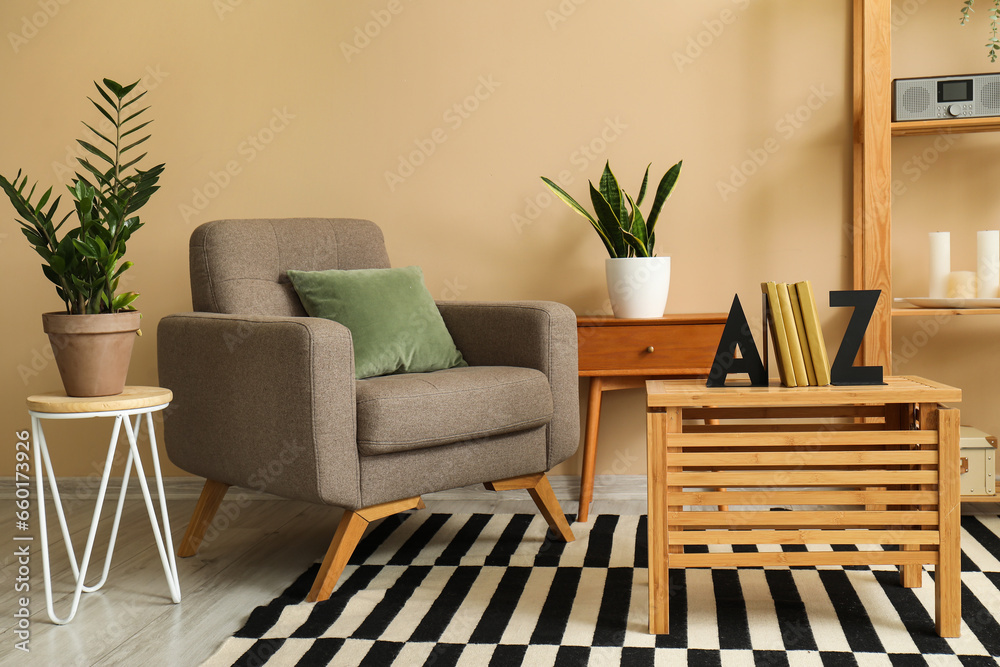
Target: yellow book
792 336
777 324
814 332
800 329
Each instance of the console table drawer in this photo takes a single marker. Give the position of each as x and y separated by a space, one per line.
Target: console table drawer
648 349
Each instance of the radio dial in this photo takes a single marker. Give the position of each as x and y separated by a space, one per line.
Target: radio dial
955 109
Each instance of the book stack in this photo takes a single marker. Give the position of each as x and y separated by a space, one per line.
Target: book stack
798 338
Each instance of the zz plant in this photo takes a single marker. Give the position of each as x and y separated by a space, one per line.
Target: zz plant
619 222
84 263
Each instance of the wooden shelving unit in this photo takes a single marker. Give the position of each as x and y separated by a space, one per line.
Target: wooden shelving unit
873 132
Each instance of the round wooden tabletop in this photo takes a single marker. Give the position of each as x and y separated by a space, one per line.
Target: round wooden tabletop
130 399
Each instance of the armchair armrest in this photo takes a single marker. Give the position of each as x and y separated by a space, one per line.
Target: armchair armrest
262 402
529 334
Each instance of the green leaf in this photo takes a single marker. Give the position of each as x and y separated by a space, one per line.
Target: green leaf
612 193
87 125
123 301
608 221
563 195
104 113
33 237
663 191
134 144
84 249
104 94
133 101
637 229
96 151
642 190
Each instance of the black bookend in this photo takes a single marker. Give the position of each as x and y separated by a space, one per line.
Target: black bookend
737 334
843 371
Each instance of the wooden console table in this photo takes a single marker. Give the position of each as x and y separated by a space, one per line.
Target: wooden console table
623 354
891 458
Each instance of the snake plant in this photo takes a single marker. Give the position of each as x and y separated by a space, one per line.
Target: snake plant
84 263
618 220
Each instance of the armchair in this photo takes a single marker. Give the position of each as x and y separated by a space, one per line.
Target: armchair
265 397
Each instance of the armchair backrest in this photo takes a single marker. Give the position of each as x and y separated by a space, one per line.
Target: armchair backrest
240 266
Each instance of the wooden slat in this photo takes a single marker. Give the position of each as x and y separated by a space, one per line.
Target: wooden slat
817 412
947 581
801 438
897 389
801 518
657 425
814 558
803 478
805 537
776 428
825 458
802 497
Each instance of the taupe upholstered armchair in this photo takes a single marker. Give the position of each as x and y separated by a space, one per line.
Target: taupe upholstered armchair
265 397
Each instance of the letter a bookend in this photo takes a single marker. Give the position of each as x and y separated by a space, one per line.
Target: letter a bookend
737 334
843 371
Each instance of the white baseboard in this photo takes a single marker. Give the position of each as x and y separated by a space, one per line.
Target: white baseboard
566 488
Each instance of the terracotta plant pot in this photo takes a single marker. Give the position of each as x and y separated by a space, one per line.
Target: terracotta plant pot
92 351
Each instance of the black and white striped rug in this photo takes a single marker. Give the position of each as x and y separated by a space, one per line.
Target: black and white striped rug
480 589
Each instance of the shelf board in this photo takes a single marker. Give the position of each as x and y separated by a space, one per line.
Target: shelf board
911 128
930 312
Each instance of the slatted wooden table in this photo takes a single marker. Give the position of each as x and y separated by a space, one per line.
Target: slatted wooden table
868 466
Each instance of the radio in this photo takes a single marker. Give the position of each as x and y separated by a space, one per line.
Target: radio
970 96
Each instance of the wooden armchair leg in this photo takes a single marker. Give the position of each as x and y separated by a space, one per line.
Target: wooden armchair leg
208 504
349 532
541 492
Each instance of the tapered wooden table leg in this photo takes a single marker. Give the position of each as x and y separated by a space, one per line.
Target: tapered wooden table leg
590 448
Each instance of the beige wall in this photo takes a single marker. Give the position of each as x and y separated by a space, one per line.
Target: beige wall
307 126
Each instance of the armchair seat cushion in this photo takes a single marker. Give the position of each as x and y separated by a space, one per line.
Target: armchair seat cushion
417 410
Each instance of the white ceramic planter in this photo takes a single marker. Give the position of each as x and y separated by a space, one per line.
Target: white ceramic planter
638 286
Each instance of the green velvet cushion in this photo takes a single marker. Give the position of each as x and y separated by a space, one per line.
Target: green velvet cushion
394 322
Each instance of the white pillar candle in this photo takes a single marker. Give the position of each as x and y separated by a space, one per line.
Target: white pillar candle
962 285
988 264
940 265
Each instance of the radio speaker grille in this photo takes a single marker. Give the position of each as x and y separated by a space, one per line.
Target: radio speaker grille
989 96
916 99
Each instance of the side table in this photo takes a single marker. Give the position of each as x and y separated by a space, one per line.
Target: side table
890 457
132 402
622 354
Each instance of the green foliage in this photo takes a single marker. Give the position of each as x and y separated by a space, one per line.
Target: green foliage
618 220
993 43
84 263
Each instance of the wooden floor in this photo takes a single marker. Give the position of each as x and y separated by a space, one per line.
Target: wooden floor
131 621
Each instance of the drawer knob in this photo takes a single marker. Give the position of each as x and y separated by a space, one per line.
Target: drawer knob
649 349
